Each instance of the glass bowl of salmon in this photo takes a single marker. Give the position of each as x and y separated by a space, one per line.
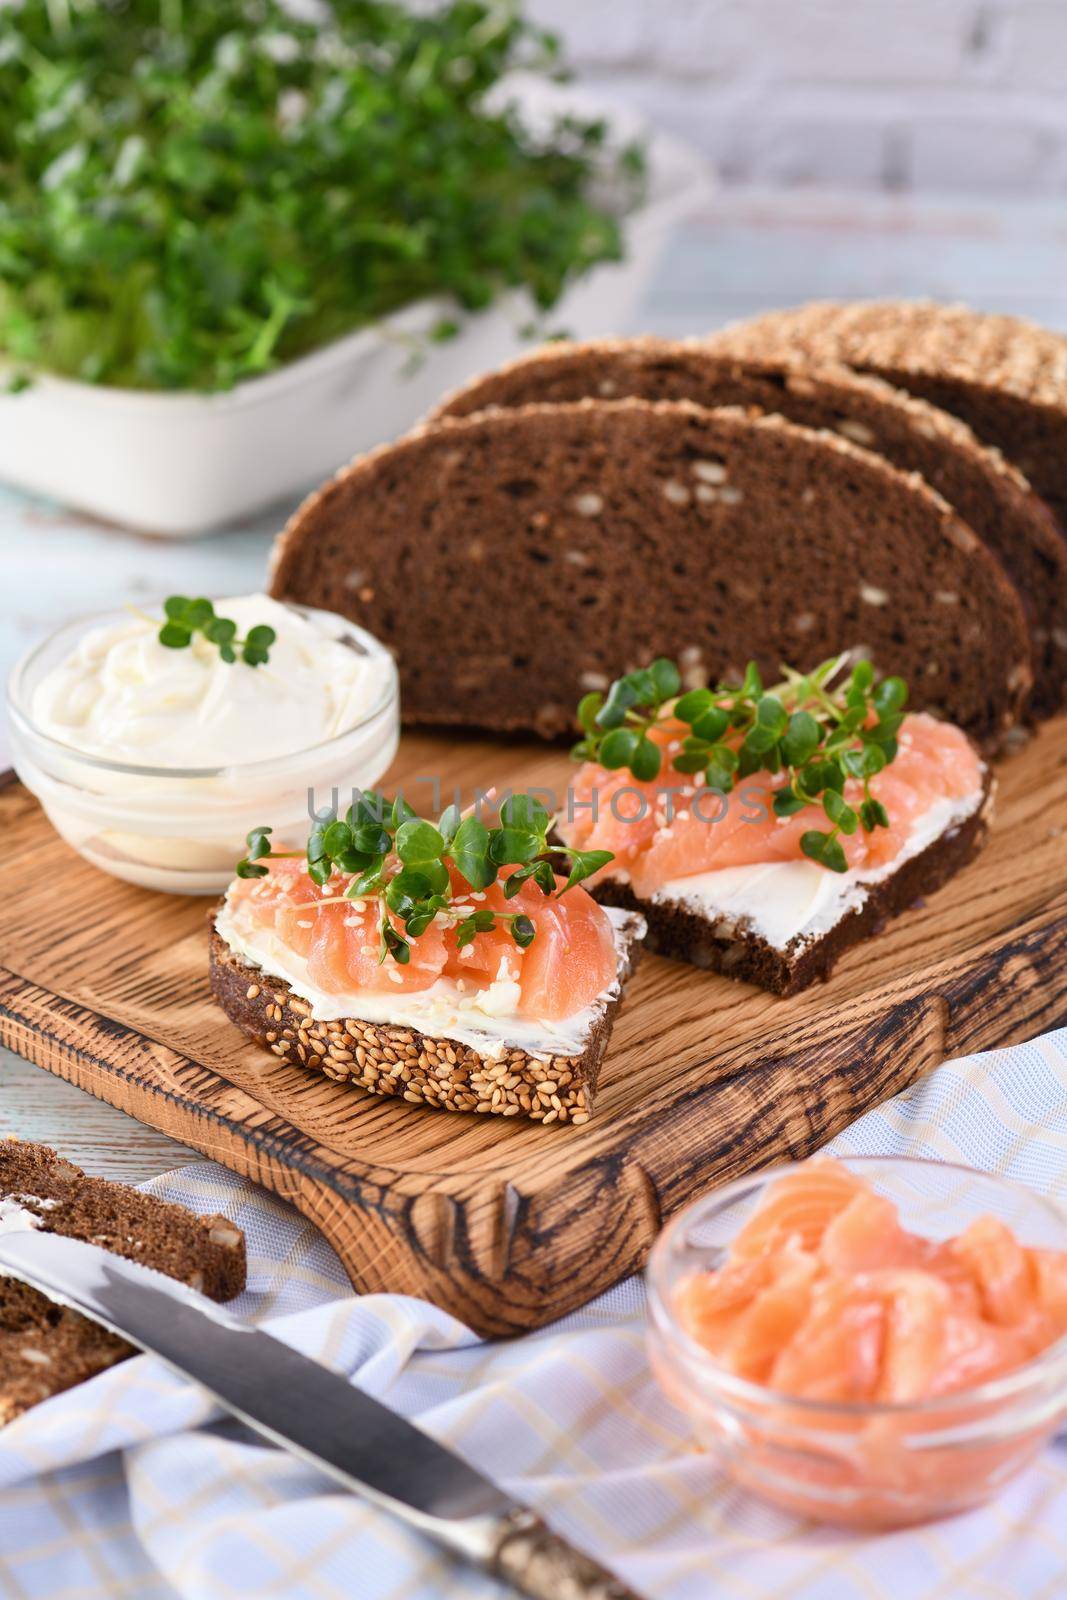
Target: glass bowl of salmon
870 1341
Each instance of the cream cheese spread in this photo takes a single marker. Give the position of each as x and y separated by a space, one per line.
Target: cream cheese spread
122 695
485 1019
794 902
16 1215
154 763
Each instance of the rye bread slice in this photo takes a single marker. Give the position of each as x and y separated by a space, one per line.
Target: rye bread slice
989 494
516 559
682 934
424 1070
46 1348
1005 377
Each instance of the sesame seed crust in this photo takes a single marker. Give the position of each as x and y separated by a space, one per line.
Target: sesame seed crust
421 1069
975 347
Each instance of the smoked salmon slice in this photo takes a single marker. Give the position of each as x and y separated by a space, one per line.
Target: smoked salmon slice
571 960
673 828
824 1295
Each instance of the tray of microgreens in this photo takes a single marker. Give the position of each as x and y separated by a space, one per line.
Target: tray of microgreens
196 194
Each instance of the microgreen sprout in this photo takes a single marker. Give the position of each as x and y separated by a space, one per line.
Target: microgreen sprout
814 728
194 194
188 617
385 850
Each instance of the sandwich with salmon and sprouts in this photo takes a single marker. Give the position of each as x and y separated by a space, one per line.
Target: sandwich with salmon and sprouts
448 963
764 831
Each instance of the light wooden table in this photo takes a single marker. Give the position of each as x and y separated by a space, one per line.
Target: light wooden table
754 251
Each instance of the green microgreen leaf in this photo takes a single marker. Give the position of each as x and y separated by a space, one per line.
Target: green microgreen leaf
404 891
623 695
175 636
220 630
393 944
510 845
418 841
693 705
890 696
316 848
470 852
448 822
617 748
801 738
824 848
258 845
248 869
589 709
751 683
690 761
787 802
369 880
839 812
666 678
524 812
772 716
711 724
334 839
583 864
185 618
873 814
645 760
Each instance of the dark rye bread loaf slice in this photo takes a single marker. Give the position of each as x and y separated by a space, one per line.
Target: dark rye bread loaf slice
45 1348
739 952
516 559
1005 377
989 494
419 1068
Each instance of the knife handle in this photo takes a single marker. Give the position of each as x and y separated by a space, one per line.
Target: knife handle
542 1566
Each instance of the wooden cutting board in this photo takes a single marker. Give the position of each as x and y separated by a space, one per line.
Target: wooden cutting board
504 1223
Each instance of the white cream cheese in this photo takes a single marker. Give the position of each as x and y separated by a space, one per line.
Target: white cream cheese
122 695
793 902
484 1019
16 1215
154 763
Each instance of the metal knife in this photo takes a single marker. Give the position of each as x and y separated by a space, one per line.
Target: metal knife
312 1412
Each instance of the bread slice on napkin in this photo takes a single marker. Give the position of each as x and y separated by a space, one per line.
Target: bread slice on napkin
46 1348
516 559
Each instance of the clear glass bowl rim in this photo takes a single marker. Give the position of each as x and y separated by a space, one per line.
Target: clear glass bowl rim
21 718
666 1323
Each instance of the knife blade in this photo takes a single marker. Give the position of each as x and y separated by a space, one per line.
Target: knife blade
312 1412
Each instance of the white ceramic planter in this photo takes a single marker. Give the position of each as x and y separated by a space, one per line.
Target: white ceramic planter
184 464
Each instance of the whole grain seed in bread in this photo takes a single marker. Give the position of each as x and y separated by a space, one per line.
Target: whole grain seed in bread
417 1067
515 559
45 1348
988 493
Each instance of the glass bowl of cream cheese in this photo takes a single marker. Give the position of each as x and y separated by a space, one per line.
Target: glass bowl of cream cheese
153 763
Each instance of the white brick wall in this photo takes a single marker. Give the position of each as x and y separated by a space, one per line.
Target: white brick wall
894 94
